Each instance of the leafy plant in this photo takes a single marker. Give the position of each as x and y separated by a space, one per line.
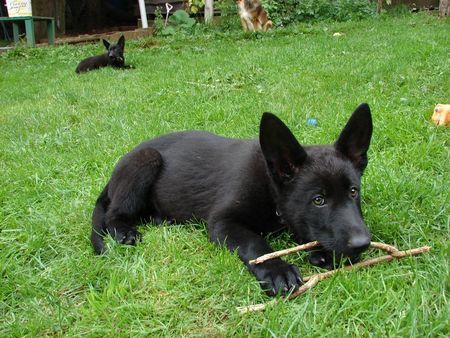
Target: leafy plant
179 21
182 19
159 22
228 14
196 5
290 11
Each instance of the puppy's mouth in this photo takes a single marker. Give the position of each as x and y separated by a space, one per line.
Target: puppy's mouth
116 58
332 246
353 259
351 249
350 257
331 259
339 253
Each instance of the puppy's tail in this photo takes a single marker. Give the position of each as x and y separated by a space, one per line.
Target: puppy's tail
267 25
98 222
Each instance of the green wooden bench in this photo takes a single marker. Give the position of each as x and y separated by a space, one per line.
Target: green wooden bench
29 28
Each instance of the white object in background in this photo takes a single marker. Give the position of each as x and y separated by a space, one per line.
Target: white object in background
19 7
209 10
168 9
143 14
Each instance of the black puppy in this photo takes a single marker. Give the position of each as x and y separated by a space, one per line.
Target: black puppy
246 188
113 57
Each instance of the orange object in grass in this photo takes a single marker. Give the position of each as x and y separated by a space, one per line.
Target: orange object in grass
441 115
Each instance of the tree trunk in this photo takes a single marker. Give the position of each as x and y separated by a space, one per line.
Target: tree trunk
379 6
444 8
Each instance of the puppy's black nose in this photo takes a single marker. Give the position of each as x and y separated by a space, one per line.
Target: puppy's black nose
359 243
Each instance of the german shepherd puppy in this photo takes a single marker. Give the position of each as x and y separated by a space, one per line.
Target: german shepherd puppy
253 16
113 57
244 189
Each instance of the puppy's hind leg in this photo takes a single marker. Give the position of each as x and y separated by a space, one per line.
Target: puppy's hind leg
98 221
129 192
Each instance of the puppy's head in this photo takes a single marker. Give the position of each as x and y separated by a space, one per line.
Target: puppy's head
115 51
318 187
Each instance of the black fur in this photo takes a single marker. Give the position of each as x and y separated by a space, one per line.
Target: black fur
246 188
113 57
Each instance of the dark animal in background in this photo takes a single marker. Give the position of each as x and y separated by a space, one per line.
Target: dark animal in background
113 57
243 189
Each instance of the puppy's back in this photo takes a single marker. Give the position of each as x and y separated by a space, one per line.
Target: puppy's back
201 170
92 62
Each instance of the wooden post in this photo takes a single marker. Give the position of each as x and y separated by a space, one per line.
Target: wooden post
50 8
143 13
209 10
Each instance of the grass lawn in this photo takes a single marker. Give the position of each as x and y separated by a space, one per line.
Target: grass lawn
61 135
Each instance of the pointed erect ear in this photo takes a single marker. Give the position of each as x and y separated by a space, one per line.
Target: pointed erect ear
283 154
106 43
121 42
354 140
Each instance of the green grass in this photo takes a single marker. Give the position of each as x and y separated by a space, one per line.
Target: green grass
61 135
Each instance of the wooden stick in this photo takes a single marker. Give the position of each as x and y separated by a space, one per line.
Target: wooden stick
284 252
312 280
259 307
392 250
371 261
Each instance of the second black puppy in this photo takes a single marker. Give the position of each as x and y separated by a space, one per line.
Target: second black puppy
246 188
113 57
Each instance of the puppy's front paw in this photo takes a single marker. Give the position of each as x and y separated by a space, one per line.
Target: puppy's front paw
128 237
277 276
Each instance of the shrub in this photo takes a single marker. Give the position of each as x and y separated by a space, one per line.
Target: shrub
283 12
180 21
228 14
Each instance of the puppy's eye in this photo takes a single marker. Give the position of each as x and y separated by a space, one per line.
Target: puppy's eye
318 200
353 192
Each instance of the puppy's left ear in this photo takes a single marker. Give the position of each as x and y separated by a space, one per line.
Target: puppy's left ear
121 42
106 43
354 140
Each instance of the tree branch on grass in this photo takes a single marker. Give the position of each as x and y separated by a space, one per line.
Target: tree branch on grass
312 280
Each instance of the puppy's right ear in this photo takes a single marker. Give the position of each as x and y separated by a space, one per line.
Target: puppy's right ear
283 154
121 42
106 43
354 140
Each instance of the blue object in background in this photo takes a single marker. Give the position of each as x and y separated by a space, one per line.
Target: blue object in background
311 122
